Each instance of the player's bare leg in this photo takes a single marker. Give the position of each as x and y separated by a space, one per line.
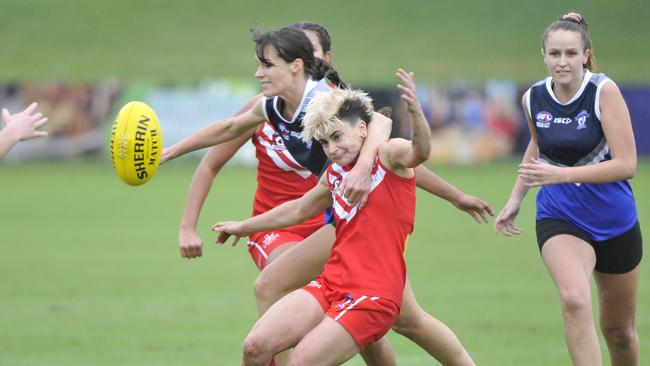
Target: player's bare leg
327 344
282 327
617 296
294 268
429 333
570 262
379 353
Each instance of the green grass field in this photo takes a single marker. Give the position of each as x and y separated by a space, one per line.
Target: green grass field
90 272
442 40
89 269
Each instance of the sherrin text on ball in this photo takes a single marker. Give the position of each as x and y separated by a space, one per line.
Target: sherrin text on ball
136 143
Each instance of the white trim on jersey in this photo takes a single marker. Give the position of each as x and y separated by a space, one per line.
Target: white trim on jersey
341 212
585 81
377 177
311 84
346 212
263 102
274 154
596 156
597 99
339 169
527 100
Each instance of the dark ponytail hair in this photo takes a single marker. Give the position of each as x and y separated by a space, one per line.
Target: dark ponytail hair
573 22
322 69
291 44
323 35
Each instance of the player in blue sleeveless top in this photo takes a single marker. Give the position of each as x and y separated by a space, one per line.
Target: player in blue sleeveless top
581 153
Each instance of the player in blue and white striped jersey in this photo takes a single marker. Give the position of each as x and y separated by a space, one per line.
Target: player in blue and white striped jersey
581 154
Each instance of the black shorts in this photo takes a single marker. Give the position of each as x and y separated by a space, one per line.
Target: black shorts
615 256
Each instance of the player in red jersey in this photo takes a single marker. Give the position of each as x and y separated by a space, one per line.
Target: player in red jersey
190 243
353 302
290 76
265 247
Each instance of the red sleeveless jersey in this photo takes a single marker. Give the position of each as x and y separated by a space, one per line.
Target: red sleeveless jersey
368 254
287 166
280 178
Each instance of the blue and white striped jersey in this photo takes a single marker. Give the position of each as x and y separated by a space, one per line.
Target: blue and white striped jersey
570 134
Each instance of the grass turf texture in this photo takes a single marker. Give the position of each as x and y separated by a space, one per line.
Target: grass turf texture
90 272
184 42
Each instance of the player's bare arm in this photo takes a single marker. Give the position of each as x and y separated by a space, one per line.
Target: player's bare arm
20 126
477 208
399 152
190 244
287 214
505 221
356 184
216 133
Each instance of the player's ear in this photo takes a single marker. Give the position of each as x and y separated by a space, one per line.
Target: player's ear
297 65
362 126
328 57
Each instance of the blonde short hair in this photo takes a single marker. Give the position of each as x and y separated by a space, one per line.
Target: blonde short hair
328 110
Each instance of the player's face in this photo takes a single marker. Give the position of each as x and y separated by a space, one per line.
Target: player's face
276 77
343 145
318 48
565 56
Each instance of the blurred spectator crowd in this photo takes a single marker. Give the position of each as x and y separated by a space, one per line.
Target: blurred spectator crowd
470 123
77 114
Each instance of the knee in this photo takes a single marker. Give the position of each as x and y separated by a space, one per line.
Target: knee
263 290
574 301
622 336
255 350
408 322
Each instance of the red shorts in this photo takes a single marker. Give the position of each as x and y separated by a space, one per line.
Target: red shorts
260 245
367 318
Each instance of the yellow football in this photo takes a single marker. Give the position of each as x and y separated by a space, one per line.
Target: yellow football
136 143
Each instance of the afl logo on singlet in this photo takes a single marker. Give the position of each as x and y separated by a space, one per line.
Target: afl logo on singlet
543 119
